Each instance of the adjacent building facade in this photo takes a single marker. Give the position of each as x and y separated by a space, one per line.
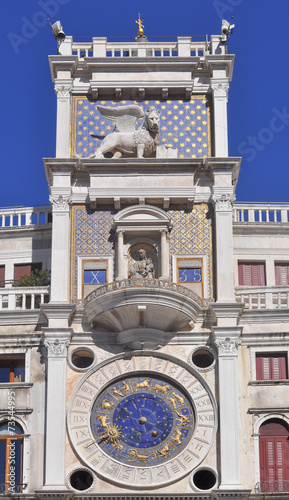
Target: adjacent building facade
156 362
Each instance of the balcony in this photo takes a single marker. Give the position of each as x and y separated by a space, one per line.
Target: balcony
263 297
263 213
272 487
25 217
23 298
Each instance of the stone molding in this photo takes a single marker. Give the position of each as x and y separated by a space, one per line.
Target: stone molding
224 202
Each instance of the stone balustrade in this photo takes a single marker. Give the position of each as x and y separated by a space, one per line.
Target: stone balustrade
23 298
261 212
263 297
16 217
181 47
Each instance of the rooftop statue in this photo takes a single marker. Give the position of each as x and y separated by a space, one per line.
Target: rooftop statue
142 142
140 26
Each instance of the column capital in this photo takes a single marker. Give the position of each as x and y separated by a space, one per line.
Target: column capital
224 202
60 203
220 87
63 89
56 348
227 346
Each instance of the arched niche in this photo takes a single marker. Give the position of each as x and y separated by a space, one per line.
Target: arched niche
142 224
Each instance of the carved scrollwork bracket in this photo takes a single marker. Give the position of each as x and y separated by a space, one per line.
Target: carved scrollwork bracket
227 346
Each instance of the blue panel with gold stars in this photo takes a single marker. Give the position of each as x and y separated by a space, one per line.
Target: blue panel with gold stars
184 125
143 420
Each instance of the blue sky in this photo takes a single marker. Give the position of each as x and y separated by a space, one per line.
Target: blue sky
258 107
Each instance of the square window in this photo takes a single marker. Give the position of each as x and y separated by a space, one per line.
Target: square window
271 366
12 368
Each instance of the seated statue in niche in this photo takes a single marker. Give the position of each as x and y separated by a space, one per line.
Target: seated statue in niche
141 268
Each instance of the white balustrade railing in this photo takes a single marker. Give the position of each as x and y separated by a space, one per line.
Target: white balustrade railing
263 297
16 217
261 212
100 47
23 298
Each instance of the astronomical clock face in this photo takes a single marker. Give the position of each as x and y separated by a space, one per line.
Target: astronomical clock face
143 421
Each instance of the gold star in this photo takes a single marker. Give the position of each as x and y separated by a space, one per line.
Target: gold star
204 123
80 102
79 123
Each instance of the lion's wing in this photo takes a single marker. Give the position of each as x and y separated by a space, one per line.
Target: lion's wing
125 117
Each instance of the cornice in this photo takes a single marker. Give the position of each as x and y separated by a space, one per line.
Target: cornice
264 316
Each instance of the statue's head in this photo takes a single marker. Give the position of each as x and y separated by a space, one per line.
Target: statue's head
142 253
152 119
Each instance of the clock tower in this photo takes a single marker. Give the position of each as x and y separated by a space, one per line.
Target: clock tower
142 335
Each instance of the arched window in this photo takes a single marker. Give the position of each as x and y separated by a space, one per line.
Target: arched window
11 446
274 456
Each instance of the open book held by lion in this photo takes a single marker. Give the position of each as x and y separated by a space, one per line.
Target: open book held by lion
141 143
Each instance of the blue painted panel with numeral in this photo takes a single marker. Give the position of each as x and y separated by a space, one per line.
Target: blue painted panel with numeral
190 275
94 276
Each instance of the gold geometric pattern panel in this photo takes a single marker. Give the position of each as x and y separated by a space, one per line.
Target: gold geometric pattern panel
192 233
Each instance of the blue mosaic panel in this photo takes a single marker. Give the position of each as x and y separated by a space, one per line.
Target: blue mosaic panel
184 125
192 234
190 275
91 236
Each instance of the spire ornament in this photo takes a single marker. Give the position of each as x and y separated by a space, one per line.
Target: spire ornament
140 26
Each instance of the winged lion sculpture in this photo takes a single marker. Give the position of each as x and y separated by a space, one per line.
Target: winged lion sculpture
141 142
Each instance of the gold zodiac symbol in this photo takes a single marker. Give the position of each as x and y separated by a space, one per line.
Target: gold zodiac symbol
111 434
125 387
183 419
179 398
164 451
176 438
102 419
107 405
116 392
173 401
138 456
142 385
163 389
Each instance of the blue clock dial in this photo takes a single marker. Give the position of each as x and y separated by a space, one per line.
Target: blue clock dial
145 420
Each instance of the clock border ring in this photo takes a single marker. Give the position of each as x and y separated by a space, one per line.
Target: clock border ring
152 476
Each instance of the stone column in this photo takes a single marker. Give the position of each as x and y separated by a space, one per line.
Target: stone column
227 341
56 343
224 247
120 256
164 255
63 92
220 87
60 248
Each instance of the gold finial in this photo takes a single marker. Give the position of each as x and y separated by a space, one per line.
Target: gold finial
140 26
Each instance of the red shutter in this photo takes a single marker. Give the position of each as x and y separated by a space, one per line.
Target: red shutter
25 269
251 273
2 276
282 274
271 366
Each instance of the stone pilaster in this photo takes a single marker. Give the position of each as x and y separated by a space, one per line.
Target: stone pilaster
227 341
223 205
60 248
220 87
56 342
63 92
